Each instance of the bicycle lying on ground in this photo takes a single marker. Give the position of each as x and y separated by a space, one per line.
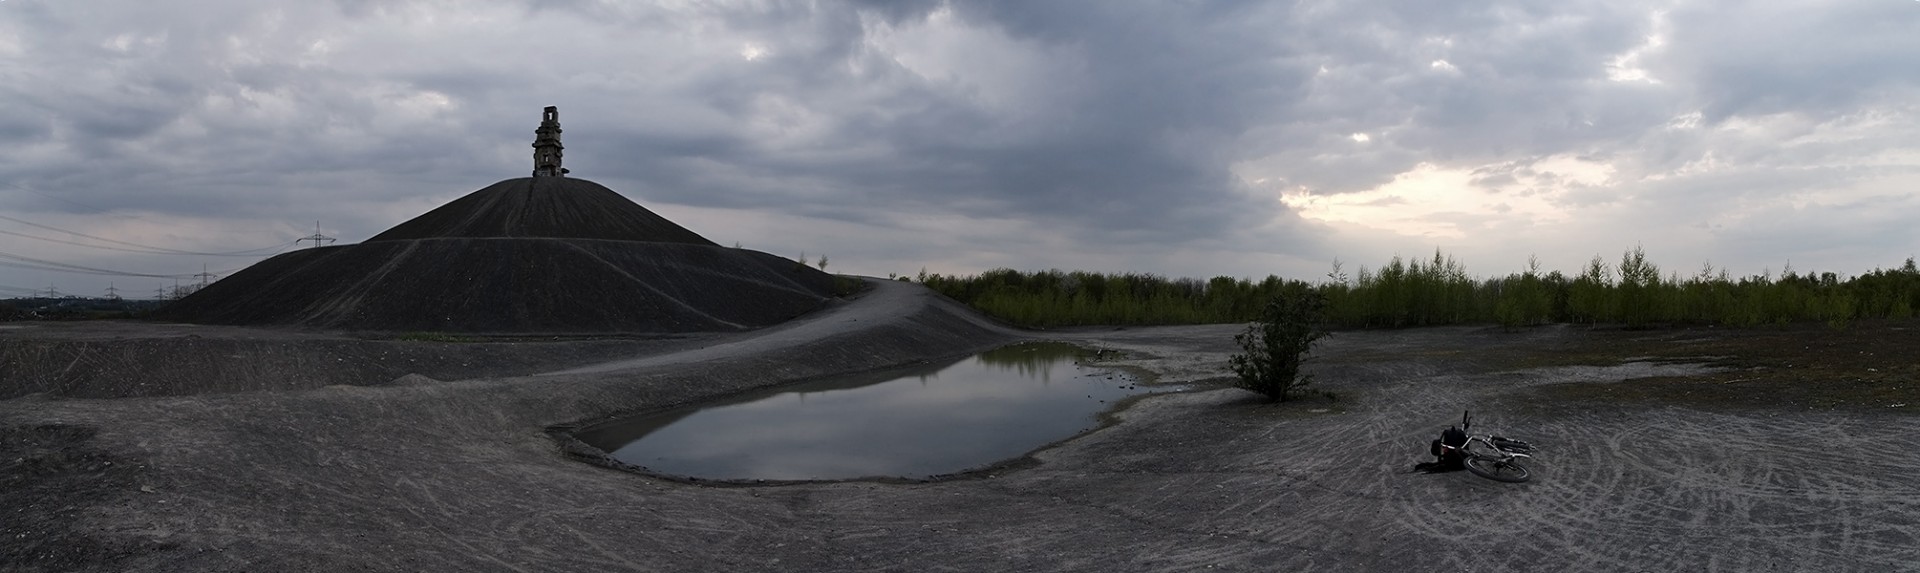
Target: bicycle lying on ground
1488 456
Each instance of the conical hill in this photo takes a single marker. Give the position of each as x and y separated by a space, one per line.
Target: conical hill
527 255
551 207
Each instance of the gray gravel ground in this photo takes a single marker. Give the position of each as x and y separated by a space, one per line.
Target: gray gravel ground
424 475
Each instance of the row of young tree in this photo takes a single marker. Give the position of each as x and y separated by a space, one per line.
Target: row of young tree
1634 292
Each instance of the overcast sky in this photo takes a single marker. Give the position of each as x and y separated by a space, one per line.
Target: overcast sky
1184 138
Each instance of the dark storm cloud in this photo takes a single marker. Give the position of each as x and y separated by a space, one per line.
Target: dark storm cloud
1138 151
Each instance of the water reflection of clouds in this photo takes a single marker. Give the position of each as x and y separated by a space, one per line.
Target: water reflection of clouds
965 415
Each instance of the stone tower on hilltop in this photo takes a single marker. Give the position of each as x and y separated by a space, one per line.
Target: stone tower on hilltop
546 145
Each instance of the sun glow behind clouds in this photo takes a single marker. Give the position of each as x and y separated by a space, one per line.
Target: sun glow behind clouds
1629 66
1436 202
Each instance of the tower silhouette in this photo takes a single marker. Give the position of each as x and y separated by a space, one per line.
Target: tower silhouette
547 149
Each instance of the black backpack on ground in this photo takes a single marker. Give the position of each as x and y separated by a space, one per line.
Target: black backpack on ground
1452 437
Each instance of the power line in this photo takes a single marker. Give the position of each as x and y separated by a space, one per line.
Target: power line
12 260
85 271
30 263
101 210
142 251
144 248
104 211
46 265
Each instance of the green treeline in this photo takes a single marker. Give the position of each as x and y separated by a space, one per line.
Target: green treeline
1634 292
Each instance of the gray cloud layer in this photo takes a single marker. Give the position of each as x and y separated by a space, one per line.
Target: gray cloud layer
1153 136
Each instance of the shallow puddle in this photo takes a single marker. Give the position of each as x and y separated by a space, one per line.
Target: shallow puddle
914 423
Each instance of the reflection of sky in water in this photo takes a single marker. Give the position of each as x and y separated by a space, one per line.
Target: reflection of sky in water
991 407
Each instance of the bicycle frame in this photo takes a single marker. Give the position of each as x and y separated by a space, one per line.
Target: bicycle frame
1486 455
1487 440
1466 423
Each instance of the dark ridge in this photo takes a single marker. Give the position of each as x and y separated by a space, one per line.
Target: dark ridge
543 207
513 285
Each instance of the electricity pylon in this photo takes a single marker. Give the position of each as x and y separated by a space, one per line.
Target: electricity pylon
317 238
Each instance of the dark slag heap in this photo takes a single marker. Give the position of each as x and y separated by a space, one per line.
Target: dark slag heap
540 254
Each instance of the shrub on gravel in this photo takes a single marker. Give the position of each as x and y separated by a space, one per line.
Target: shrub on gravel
1278 343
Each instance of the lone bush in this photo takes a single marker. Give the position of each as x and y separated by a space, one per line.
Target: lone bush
1278 343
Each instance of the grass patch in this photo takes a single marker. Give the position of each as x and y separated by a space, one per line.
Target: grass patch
1870 366
845 286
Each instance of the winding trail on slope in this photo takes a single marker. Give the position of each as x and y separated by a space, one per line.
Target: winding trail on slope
885 300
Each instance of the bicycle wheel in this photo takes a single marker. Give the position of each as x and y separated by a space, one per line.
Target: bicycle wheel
1497 470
